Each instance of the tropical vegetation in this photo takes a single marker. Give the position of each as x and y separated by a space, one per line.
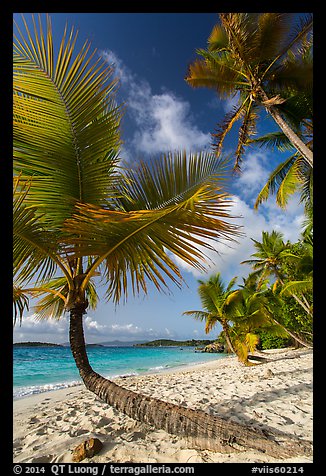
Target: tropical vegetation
267 61
81 218
266 310
239 312
79 215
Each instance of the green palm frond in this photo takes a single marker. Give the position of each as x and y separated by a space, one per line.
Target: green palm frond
180 208
273 140
213 294
290 176
52 305
35 249
307 189
172 179
276 330
272 29
289 185
241 31
218 39
197 315
65 123
246 130
214 74
20 302
251 341
232 299
55 296
277 181
211 322
224 127
231 284
297 287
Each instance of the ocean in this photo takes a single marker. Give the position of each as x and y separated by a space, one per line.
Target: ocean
41 369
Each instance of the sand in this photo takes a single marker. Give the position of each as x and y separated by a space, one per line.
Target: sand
273 395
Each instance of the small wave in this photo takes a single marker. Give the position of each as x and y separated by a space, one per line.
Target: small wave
131 374
21 392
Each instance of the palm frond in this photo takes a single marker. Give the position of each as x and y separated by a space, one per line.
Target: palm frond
20 302
271 34
251 341
52 305
55 298
180 210
34 248
218 39
241 31
197 315
284 181
226 125
211 322
65 122
231 283
214 73
297 287
273 140
247 129
289 185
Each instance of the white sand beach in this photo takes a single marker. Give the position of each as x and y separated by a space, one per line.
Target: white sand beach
274 395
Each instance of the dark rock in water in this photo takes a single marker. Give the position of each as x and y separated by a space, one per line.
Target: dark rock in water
214 348
87 449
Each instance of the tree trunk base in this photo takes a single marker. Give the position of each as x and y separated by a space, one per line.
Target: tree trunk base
201 430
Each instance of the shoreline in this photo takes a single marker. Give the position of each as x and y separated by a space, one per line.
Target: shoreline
275 395
72 384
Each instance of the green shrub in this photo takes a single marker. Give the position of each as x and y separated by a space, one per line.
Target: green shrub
269 341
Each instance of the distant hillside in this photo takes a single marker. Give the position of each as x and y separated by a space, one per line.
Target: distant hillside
36 344
111 343
120 343
170 342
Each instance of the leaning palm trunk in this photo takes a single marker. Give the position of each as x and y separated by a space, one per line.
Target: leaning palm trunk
203 431
304 305
295 337
288 131
228 338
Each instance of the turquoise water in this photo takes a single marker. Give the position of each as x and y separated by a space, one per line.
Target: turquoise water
40 369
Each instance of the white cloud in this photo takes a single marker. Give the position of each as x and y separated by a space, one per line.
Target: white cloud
163 121
254 173
120 69
48 330
165 125
228 256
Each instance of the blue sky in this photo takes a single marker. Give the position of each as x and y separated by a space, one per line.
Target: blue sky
151 53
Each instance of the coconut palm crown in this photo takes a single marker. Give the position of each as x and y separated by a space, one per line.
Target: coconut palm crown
258 56
83 213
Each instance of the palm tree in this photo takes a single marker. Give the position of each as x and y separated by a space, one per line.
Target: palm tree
260 298
251 313
303 281
260 57
239 312
294 173
268 260
217 300
78 214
